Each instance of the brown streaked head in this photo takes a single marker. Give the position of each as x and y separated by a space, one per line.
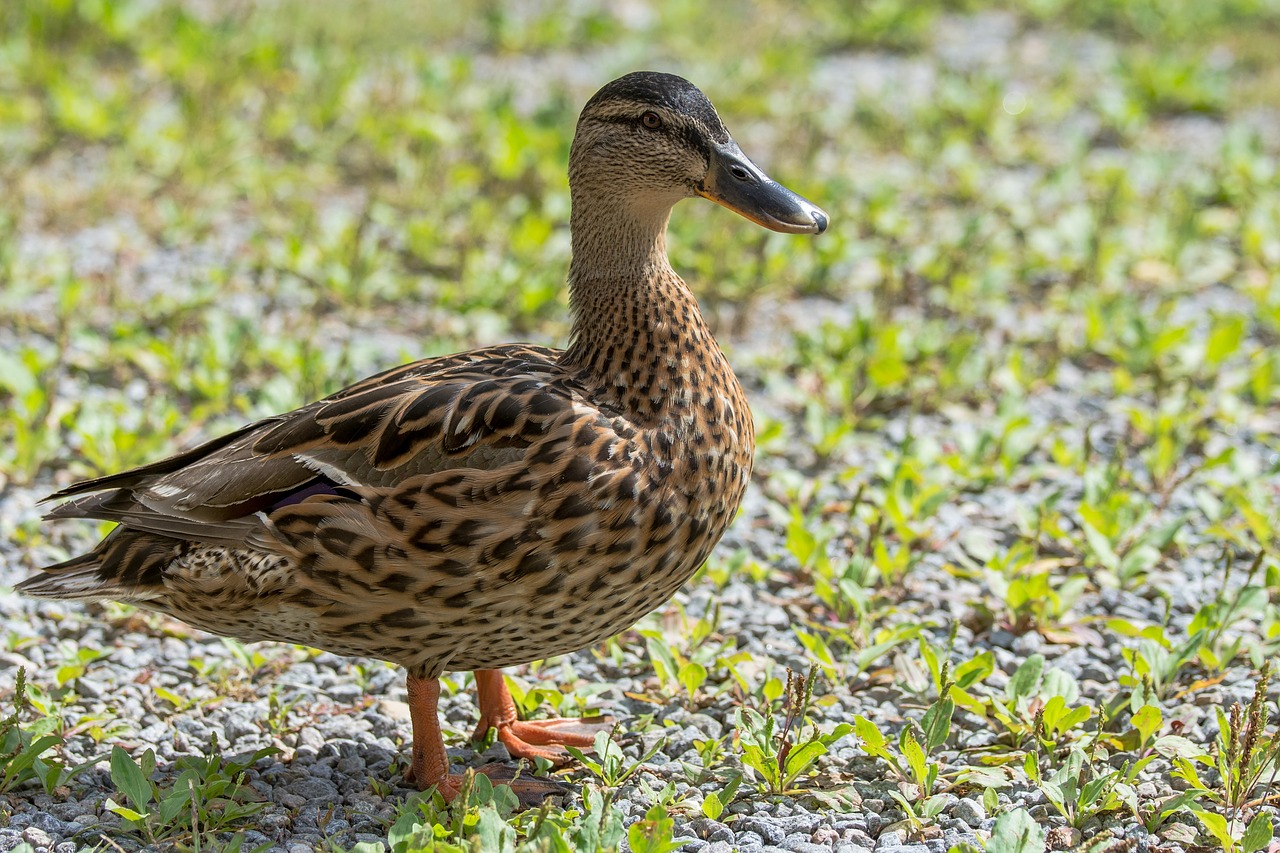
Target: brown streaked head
657 139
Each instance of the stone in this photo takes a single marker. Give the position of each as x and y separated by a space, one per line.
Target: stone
36 837
1063 838
970 810
312 788
770 831
710 830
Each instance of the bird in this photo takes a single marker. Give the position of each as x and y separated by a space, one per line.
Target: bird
485 509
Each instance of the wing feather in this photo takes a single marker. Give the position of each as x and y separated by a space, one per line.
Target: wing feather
479 409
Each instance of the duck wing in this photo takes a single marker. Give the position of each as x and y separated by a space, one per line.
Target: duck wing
479 409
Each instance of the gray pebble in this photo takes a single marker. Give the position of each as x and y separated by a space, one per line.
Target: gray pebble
709 726
1028 643
36 837
710 830
970 810
291 800
314 789
239 723
770 831
50 825
310 738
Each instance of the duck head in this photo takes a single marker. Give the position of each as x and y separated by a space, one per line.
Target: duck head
649 139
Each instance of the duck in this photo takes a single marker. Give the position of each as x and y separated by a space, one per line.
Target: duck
485 509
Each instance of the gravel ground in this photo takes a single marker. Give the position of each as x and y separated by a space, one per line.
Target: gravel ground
345 720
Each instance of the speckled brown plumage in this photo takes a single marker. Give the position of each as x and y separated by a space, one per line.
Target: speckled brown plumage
488 508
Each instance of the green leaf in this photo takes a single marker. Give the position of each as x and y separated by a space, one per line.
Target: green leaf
937 723
664 662
873 742
711 805
1016 832
1258 834
1057 682
692 676
1224 338
1147 721
1171 746
799 758
494 833
1216 825
1024 681
16 768
1101 547
914 755
653 834
975 670
178 798
129 779
1185 769
991 799
819 651
124 811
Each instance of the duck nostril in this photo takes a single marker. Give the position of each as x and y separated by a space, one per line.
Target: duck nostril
739 173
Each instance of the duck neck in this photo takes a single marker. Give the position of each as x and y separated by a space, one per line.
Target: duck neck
638 336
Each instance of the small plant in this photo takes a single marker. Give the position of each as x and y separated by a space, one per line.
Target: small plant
770 752
916 743
1014 832
480 811
1031 692
484 817
710 753
715 802
1157 660
609 763
686 667
207 797
1214 619
278 712
653 834
1246 753
25 750
1080 790
1034 598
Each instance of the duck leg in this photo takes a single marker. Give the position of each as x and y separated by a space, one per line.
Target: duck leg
530 738
429 764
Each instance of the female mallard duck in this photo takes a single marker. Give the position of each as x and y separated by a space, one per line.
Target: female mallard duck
489 508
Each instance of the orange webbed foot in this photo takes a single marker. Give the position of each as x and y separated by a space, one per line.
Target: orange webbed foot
428 767
531 739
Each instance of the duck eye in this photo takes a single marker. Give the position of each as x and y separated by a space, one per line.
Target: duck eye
651 120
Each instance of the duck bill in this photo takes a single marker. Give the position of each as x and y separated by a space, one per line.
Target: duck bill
738 184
